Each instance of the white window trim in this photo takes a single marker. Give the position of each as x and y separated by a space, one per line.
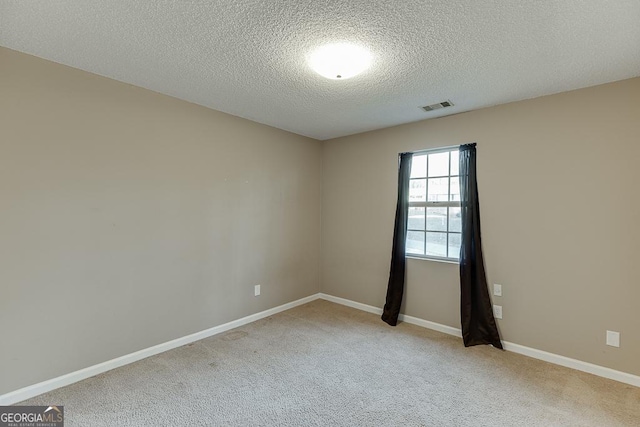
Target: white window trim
433 258
426 204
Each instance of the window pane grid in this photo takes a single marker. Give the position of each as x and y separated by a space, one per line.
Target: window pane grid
434 177
434 206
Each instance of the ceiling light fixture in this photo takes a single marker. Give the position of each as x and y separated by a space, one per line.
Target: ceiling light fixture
340 61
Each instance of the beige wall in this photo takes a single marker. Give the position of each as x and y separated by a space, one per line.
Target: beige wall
558 180
129 218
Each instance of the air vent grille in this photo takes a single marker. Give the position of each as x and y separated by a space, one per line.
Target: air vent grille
438 106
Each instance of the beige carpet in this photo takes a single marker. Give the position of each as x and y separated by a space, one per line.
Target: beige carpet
322 364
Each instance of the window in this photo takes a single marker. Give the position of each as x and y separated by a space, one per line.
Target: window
434 223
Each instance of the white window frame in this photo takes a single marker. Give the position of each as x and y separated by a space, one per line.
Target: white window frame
432 204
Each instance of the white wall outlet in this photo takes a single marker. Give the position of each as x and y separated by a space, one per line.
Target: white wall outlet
497 290
256 290
497 311
613 338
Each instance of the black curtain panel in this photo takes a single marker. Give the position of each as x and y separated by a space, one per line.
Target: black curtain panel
395 288
478 323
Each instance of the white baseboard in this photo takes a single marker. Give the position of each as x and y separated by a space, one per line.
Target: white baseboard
352 304
568 362
431 325
403 318
64 380
579 365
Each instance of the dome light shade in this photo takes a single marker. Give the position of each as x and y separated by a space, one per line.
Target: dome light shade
340 61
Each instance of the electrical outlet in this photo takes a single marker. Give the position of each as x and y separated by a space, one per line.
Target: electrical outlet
497 311
497 290
613 338
256 290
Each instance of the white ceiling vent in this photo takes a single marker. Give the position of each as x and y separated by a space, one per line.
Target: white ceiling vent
438 106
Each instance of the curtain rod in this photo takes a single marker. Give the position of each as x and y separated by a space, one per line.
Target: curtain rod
435 150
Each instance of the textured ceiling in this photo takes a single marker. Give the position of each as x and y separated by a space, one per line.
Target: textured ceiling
247 57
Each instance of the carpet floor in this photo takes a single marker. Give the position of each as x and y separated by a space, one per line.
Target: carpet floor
322 364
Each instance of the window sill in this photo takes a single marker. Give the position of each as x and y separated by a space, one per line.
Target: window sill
442 260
